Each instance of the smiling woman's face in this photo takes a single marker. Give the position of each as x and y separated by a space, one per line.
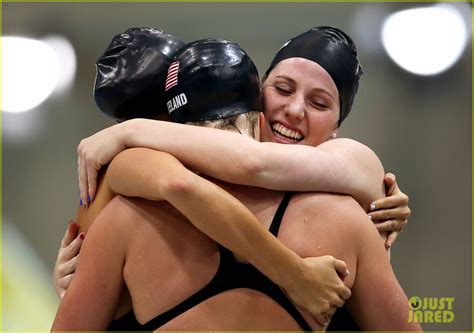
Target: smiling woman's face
301 103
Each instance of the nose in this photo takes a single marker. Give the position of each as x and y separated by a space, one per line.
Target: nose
295 108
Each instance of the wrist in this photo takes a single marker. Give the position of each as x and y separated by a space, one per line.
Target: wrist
127 132
291 273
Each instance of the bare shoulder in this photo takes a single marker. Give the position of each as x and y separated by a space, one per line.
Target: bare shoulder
335 211
349 146
116 217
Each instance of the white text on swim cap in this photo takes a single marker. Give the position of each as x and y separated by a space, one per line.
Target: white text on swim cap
176 102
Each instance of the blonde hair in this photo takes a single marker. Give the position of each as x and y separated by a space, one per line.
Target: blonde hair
244 123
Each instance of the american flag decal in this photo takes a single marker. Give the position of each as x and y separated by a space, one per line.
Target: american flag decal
172 78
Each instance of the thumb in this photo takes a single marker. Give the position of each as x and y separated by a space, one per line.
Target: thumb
390 182
71 233
341 268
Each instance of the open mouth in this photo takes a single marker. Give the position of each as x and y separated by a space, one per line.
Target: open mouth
285 133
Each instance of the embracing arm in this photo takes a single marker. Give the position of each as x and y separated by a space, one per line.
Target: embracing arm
156 175
378 302
92 297
340 165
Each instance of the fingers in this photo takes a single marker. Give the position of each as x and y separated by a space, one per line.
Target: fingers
345 292
72 249
91 183
339 301
340 267
71 233
63 285
391 225
392 201
320 318
331 311
390 178
64 282
391 239
69 267
390 184
82 173
401 213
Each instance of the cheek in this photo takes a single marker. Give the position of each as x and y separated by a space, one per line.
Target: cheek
320 126
271 102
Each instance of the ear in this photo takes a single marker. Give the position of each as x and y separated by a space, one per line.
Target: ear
261 117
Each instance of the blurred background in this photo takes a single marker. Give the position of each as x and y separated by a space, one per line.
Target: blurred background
413 109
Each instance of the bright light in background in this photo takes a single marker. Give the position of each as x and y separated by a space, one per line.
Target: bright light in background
425 41
33 69
30 71
67 61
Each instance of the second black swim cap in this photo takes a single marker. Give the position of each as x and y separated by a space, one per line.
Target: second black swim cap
333 50
132 71
211 79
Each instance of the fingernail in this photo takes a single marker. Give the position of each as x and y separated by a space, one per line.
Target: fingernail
370 216
82 236
388 245
372 206
347 272
89 198
80 202
326 323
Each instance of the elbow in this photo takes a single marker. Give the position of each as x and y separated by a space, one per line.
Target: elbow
252 169
178 184
253 165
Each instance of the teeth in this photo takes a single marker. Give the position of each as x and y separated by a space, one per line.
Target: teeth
286 132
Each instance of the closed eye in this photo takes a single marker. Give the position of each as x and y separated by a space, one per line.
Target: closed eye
283 90
319 105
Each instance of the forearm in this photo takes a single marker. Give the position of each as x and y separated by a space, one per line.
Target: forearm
221 154
339 166
156 175
93 295
223 218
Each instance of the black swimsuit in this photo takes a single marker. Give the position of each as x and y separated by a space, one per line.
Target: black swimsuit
230 275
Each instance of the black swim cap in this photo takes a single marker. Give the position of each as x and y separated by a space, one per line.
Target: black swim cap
131 73
333 50
211 79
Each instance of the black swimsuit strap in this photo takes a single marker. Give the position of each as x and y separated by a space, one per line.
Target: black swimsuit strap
232 275
276 222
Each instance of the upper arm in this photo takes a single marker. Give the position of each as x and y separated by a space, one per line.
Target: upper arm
92 297
339 166
378 302
362 166
145 173
104 194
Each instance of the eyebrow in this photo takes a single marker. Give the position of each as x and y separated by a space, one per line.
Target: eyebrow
319 90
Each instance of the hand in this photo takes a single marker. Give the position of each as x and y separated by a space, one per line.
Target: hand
93 153
320 289
67 258
391 213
